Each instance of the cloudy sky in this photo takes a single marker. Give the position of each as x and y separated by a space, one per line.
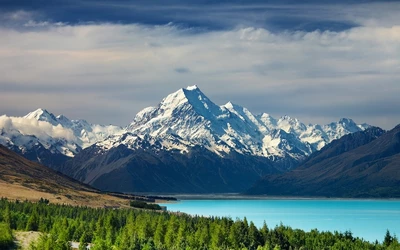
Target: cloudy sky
106 60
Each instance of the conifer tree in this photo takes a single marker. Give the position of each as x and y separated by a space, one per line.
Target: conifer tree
33 222
6 237
160 231
388 239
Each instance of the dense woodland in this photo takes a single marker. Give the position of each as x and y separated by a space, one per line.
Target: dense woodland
138 229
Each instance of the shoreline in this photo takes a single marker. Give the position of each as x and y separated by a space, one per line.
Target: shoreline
236 196
324 214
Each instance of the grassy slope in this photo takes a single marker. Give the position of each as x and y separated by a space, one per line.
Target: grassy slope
22 179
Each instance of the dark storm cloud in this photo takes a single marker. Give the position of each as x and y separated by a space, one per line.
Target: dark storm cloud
208 15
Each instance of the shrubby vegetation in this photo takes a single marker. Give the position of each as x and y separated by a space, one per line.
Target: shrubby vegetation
138 229
144 205
45 201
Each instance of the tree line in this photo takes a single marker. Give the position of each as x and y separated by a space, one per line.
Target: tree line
138 229
144 205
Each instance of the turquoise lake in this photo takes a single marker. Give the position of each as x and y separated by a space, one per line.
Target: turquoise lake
366 219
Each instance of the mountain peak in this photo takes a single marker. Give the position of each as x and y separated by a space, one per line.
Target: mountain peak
193 87
193 96
268 120
193 93
346 121
175 99
288 118
42 115
350 124
230 106
38 112
62 118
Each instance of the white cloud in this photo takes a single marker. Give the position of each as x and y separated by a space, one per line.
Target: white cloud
110 70
41 129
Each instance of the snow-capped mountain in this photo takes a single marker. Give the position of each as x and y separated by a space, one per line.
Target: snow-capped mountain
182 120
187 118
41 133
187 143
85 133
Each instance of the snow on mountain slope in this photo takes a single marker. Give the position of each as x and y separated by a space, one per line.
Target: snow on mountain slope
42 115
24 135
184 119
58 134
86 134
190 116
319 136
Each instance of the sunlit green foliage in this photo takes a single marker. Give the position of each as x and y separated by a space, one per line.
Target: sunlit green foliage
6 238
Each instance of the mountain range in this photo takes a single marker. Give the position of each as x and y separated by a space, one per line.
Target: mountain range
186 143
363 164
41 136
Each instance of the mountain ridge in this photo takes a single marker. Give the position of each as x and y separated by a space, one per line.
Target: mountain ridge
363 164
189 127
189 114
220 128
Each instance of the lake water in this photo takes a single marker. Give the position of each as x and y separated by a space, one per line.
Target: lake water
366 219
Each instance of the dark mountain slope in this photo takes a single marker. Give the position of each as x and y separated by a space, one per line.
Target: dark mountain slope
148 170
344 168
345 144
38 153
